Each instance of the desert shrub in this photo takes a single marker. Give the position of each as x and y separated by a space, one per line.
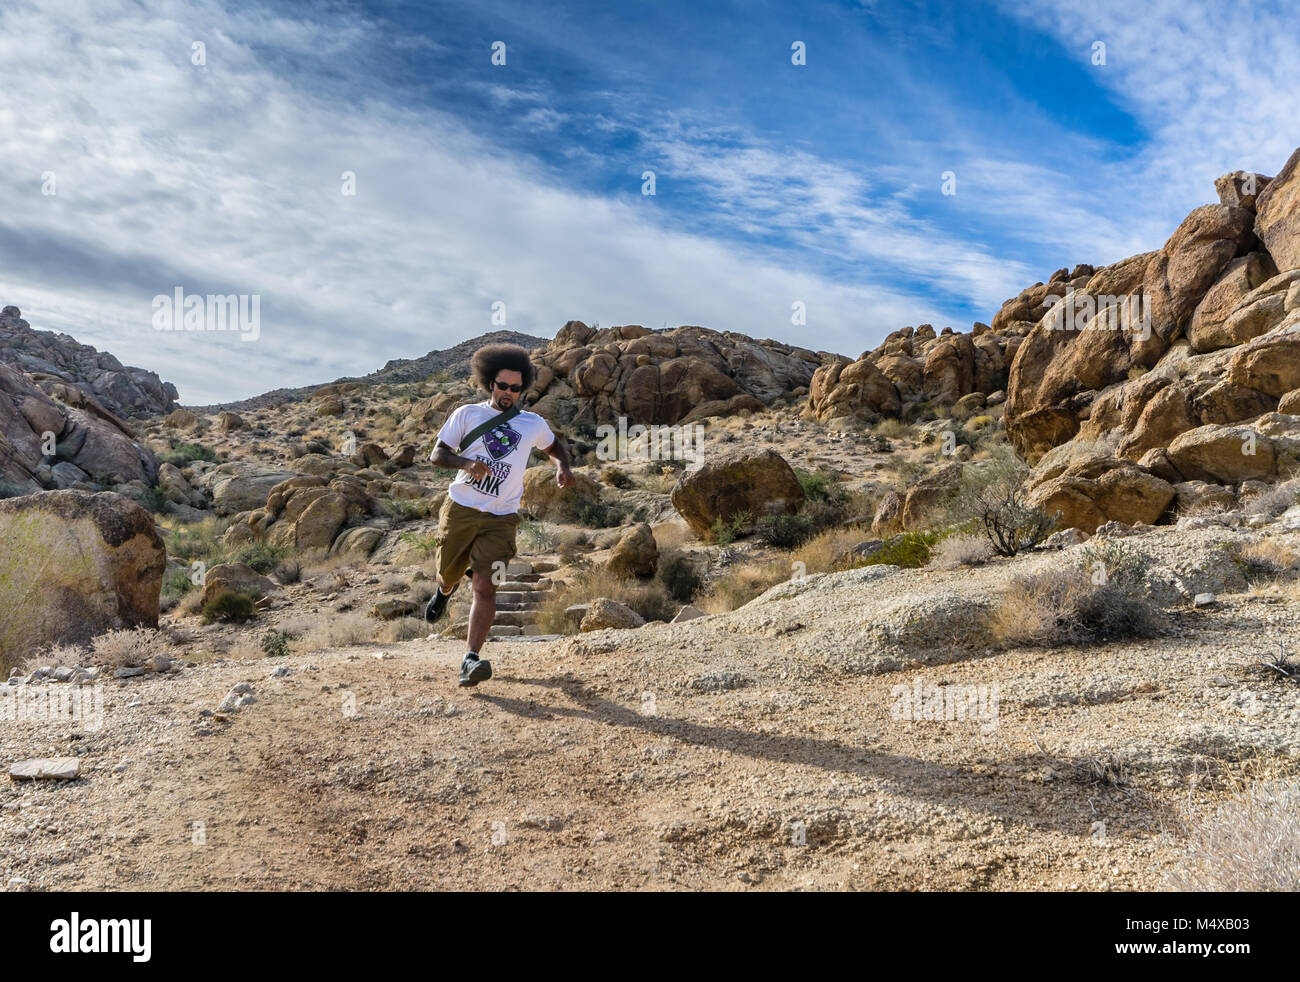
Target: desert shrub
992 500
963 549
599 515
726 531
820 486
679 574
894 429
616 478
1249 843
197 540
316 632
261 556
535 537
404 629
186 453
229 606
1067 606
153 499
910 550
829 549
425 543
407 509
275 644
128 648
1275 500
784 531
176 583
1105 560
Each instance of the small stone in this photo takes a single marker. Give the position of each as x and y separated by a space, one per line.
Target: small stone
128 673
63 673
46 768
1203 600
17 884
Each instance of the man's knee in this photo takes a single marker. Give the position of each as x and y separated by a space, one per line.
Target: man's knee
483 586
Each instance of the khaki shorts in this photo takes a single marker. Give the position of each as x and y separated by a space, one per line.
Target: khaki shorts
472 539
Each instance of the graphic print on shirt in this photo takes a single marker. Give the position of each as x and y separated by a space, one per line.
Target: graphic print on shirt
500 441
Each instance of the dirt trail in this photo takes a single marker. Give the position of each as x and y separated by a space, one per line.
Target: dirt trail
611 770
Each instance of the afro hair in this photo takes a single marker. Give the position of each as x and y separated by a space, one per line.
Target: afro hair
492 358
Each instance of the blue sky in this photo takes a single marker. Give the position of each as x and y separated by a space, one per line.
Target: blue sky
521 184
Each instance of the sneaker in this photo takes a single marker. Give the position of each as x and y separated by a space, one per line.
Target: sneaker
437 605
474 670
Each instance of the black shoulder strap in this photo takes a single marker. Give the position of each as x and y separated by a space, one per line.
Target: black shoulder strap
482 428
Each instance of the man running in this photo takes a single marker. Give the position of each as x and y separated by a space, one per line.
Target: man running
476 528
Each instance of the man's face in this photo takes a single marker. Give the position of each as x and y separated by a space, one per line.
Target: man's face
504 398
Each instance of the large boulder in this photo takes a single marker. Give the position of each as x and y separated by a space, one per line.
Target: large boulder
723 486
595 376
1098 489
1277 215
635 554
604 613
545 499
240 486
234 578
74 564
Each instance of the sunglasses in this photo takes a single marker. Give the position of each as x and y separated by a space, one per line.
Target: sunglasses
505 385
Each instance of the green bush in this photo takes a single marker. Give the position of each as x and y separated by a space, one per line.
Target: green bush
784 531
598 515
261 556
187 453
910 550
726 531
275 644
229 606
679 575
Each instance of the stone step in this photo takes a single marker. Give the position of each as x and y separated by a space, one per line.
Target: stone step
515 618
526 599
520 586
505 631
545 566
525 577
522 608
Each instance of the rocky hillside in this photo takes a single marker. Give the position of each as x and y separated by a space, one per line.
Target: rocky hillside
1191 401
57 363
587 376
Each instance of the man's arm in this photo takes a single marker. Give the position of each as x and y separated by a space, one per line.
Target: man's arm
558 452
444 456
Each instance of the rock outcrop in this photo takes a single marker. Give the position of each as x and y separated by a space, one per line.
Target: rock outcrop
48 443
55 361
595 376
74 564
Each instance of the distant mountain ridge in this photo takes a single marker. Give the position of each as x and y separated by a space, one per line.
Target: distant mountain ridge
454 360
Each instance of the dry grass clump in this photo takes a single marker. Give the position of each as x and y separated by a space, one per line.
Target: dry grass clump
1275 500
317 632
895 429
1269 556
129 648
1068 606
671 534
1249 843
826 550
741 584
962 550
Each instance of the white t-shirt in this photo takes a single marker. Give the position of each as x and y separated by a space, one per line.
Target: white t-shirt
504 448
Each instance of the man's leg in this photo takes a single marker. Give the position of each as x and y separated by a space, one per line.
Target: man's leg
483 611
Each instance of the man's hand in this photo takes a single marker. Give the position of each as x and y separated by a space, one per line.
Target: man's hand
564 477
477 469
